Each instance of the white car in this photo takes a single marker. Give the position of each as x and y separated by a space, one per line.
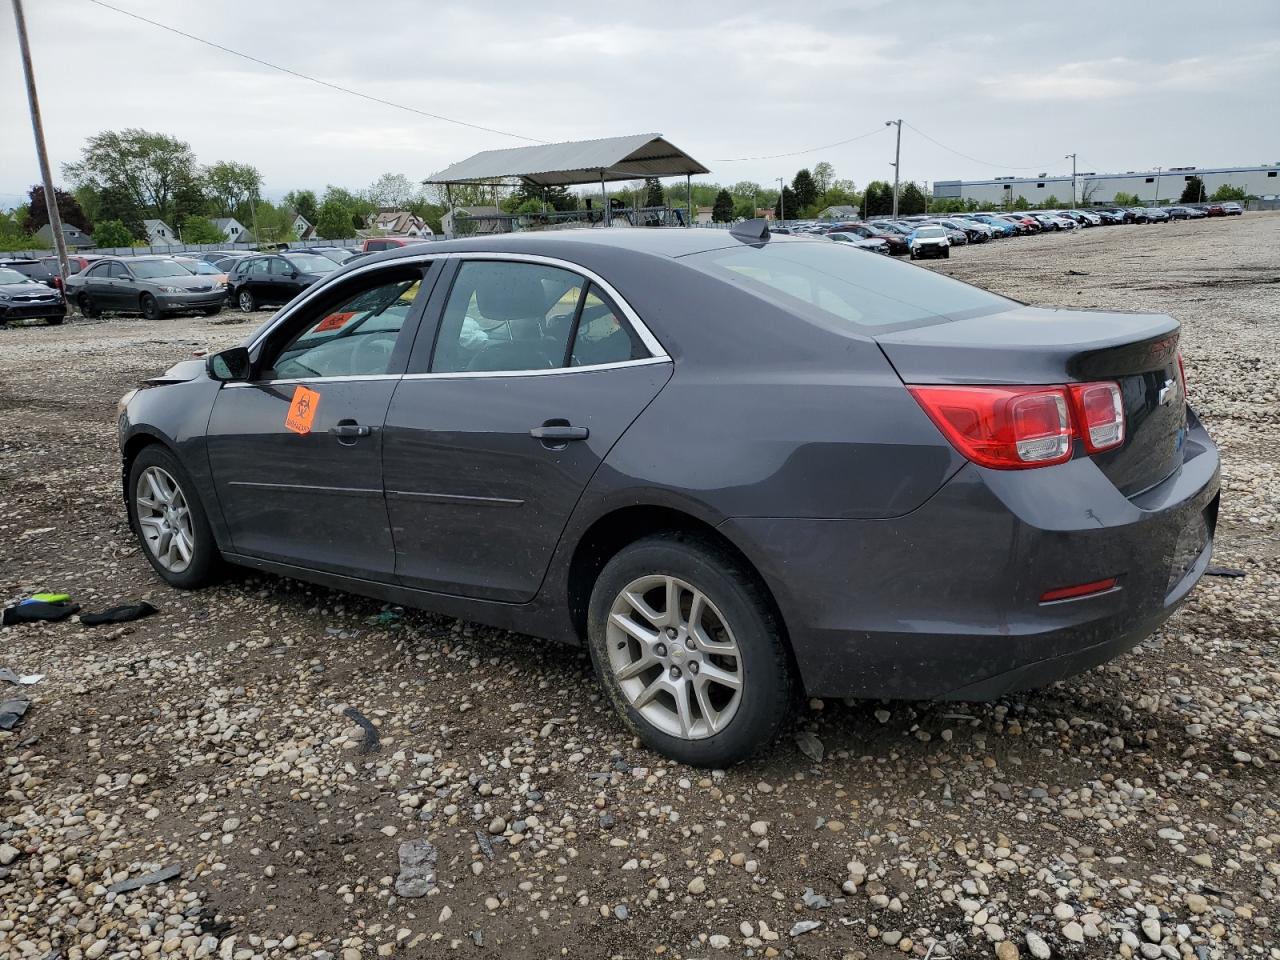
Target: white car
929 241
874 244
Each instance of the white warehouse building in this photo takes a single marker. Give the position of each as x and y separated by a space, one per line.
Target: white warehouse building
1150 186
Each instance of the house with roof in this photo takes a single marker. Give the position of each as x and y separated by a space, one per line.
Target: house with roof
302 228
400 223
75 238
487 220
233 229
841 211
160 234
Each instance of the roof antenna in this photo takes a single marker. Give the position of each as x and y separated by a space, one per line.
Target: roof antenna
753 231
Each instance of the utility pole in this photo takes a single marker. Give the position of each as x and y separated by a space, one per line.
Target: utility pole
897 156
1072 158
37 128
782 207
1156 201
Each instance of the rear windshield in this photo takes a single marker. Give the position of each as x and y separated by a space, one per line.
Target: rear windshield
824 281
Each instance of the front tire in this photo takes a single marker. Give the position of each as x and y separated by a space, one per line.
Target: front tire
150 308
689 650
169 521
246 301
946 254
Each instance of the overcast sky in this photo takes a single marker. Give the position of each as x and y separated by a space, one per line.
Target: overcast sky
1014 85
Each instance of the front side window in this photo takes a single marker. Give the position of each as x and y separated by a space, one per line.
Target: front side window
259 268
119 272
352 338
101 270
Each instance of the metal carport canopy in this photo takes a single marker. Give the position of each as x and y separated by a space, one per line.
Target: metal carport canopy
577 161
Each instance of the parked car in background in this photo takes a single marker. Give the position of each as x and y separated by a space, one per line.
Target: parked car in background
215 256
33 269
1230 209
873 244
1019 461
974 232
204 268
1179 213
338 255
275 279
895 241
1002 228
1157 215
375 244
149 285
1024 223
1139 214
957 236
22 298
1109 218
1215 210
929 240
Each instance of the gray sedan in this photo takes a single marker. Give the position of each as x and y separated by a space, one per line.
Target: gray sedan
150 286
736 466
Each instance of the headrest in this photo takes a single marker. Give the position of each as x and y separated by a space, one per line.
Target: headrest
511 295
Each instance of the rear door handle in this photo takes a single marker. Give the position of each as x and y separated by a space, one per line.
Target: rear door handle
554 431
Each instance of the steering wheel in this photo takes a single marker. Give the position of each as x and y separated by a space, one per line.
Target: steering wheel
372 354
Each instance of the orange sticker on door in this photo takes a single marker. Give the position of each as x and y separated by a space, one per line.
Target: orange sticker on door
302 410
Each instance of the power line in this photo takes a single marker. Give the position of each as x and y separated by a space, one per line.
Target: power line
985 163
796 153
317 80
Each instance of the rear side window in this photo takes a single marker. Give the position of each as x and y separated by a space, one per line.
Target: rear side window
827 282
601 335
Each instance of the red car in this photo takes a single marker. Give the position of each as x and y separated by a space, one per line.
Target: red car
1215 210
897 243
374 244
1028 224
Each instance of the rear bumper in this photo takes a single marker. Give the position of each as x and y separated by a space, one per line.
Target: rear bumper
944 603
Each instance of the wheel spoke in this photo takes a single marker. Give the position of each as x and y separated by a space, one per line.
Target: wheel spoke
710 673
649 692
183 545
647 661
684 713
695 610
708 645
157 491
638 604
709 713
672 617
152 523
634 629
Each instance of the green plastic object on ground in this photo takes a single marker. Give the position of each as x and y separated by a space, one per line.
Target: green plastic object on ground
51 597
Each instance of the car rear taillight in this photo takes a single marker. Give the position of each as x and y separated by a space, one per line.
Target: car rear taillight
1016 428
1101 415
1007 428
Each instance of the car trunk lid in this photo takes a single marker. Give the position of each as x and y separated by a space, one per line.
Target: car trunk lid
1032 345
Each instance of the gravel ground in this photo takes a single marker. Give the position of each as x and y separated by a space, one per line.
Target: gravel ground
504 812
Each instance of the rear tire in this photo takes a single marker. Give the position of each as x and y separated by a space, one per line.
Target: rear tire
946 254
54 321
246 301
162 501
708 688
88 307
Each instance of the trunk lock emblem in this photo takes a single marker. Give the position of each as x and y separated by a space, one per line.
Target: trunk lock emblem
1167 392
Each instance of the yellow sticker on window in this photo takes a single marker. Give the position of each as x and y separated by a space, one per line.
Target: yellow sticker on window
302 411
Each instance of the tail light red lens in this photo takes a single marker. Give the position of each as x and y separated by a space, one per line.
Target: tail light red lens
1016 428
1100 410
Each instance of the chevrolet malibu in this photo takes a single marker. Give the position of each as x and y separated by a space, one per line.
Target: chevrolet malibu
736 466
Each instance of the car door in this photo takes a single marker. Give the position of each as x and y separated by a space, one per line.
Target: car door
537 370
284 281
95 283
124 288
257 279
296 451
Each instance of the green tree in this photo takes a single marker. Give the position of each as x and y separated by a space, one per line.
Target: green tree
910 199
151 169
334 219
1050 203
722 209
653 195
1193 192
303 203
274 224
1021 203
1123 199
112 233
824 175
787 207
744 208
68 209
231 187
878 199
201 230
392 191
1228 192
805 189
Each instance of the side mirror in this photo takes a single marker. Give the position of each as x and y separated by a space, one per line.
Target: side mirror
294 275
229 365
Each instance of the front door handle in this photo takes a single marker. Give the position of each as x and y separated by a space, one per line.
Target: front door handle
349 431
558 431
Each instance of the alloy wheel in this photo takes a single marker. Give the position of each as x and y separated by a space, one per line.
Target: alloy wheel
675 657
164 518
246 301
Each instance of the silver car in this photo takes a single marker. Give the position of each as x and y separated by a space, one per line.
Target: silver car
150 286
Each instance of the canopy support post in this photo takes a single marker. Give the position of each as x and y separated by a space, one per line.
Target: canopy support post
688 196
448 203
604 193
